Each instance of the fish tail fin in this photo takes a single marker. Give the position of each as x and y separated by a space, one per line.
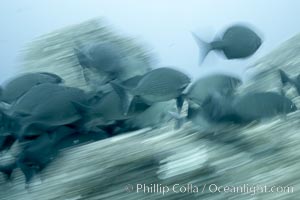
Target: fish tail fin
55 76
204 47
7 170
284 77
124 94
179 103
179 119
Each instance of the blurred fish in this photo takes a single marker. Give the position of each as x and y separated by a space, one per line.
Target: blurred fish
285 79
109 108
102 57
238 41
158 85
208 115
56 110
18 86
156 115
246 108
203 87
216 108
133 66
132 82
40 94
260 105
38 153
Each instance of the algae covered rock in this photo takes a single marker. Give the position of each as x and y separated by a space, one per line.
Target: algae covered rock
54 52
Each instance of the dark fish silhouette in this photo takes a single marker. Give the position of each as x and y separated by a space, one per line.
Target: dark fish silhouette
203 87
260 105
18 86
247 108
55 110
6 141
41 93
154 116
239 109
102 57
109 108
218 108
37 154
35 96
158 85
238 41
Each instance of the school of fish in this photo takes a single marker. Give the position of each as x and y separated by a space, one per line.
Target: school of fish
44 115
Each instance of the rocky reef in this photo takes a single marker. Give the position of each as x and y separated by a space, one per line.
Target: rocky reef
258 161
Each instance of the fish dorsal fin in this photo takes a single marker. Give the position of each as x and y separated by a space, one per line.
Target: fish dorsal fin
125 96
55 76
284 77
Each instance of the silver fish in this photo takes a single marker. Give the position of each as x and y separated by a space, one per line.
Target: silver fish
102 57
155 115
203 87
158 85
109 108
18 86
55 110
38 95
